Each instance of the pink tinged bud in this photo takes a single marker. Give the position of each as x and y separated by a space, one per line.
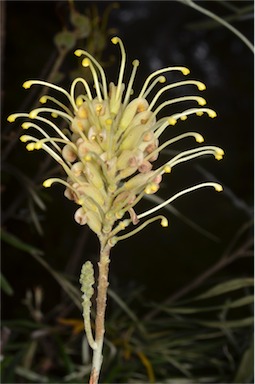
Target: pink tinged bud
157 179
69 194
80 216
68 153
148 136
129 158
153 157
136 159
151 147
145 167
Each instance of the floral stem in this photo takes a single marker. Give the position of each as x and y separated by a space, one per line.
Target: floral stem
103 268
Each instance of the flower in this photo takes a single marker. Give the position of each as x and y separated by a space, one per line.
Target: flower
112 140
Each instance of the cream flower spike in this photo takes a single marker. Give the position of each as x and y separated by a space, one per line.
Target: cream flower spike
107 150
112 141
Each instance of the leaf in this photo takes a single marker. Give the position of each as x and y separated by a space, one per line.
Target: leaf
65 40
30 354
63 354
82 24
147 364
71 291
31 375
126 309
234 304
219 20
225 287
38 201
5 286
245 370
19 244
228 324
34 217
178 366
22 324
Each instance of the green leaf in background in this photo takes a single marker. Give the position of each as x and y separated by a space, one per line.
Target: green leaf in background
65 40
228 324
68 287
232 304
5 286
19 244
82 24
246 367
228 286
30 375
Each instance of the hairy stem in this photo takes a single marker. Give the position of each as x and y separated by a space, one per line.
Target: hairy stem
103 268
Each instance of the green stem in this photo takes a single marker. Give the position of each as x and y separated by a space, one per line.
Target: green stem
221 21
103 269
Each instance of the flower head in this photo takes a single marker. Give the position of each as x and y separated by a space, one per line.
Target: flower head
112 141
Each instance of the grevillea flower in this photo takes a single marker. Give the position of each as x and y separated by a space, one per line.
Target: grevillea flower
112 140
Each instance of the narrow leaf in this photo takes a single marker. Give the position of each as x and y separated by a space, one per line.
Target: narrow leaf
245 369
225 287
19 244
5 286
228 324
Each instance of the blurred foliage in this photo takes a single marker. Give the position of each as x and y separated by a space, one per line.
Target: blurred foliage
205 338
181 328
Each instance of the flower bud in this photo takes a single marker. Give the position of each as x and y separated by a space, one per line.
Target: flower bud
134 107
94 222
69 154
80 216
138 181
69 194
77 168
145 167
94 174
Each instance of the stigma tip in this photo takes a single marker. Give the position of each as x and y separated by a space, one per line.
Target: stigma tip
185 71
27 84
115 40
164 222
47 183
218 187
11 118
78 52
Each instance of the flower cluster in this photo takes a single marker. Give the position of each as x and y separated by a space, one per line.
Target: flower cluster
112 141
